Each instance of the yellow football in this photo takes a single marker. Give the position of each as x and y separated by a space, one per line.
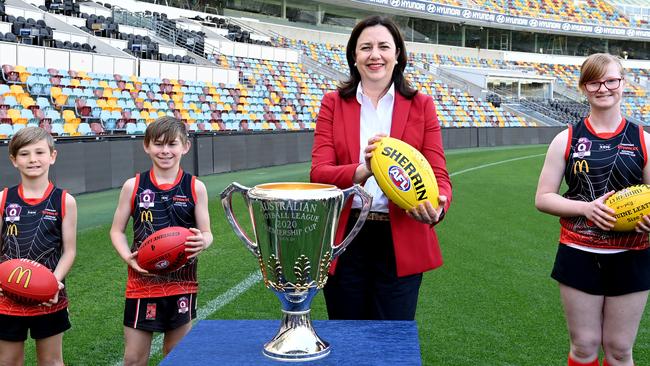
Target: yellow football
403 174
630 204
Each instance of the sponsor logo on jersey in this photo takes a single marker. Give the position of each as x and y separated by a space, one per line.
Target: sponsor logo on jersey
580 166
627 149
12 229
146 216
180 200
12 212
147 198
583 148
49 214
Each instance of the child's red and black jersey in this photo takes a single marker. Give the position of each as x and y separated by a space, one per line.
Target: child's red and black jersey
595 165
154 207
32 229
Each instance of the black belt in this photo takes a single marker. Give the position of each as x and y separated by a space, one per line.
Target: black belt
372 215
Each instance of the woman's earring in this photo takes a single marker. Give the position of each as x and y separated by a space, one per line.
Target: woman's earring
355 64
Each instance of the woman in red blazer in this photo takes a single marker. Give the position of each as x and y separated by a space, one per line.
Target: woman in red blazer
379 275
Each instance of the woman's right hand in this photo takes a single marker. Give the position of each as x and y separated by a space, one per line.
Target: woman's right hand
364 171
133 263
600 214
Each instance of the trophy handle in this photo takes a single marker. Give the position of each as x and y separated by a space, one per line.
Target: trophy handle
366 202
226 202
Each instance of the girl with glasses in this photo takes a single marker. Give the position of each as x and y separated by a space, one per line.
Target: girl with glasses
604 276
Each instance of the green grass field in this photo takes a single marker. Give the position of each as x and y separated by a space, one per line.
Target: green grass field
492 303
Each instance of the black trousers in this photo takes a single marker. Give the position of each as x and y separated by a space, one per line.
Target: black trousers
365 285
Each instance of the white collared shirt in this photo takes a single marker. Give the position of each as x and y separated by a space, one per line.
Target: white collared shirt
372 122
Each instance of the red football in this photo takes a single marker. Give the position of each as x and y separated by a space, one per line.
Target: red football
25 280
164 250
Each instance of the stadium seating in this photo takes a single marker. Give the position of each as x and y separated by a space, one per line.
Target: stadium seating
271 95
455 108
592 11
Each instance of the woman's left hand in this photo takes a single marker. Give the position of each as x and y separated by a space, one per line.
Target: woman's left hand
426 213
643 226
195 244
55 299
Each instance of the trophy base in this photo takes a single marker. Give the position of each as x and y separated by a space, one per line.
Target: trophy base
296 340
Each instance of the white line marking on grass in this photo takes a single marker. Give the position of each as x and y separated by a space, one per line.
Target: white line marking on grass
225 298
495 163
211 307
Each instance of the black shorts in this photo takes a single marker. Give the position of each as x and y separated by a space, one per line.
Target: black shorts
603 274
14 328
160 314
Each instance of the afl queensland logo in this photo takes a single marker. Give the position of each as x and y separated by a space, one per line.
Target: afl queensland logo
147 198
399 178
12 212
583 148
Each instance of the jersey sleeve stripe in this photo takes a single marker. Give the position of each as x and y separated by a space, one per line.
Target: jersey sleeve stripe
194 189
568 143
135 190
4 200
63 195
643 147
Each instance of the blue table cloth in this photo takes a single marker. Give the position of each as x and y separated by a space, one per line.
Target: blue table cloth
353 342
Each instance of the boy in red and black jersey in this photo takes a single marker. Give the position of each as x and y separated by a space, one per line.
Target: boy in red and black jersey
38 222
156 199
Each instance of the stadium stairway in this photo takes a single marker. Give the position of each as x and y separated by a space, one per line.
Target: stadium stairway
521 108
321 68
167 33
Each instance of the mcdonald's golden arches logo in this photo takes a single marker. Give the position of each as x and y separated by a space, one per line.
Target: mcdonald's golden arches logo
12 230
580 166
21 273
146 216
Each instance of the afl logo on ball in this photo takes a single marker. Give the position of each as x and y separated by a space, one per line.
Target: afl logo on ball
162 264
399 178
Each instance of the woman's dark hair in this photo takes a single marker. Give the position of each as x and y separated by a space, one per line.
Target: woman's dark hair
348 88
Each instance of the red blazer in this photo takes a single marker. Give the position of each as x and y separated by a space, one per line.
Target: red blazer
335 157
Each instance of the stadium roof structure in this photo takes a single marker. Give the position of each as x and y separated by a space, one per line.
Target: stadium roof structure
483 18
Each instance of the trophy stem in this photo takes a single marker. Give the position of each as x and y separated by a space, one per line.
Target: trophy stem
296 340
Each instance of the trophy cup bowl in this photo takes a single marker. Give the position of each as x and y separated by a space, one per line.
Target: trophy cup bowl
294 226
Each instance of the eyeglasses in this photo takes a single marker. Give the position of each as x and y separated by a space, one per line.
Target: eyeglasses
610 84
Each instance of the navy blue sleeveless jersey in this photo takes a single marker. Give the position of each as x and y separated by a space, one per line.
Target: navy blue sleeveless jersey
157 207
32 230
595 165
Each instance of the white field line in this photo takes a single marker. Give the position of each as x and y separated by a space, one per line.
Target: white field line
495 163
225 298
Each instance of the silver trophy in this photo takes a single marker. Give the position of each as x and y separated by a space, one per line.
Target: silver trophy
294 226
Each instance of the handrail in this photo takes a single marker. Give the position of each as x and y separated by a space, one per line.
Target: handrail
321 68
570 93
